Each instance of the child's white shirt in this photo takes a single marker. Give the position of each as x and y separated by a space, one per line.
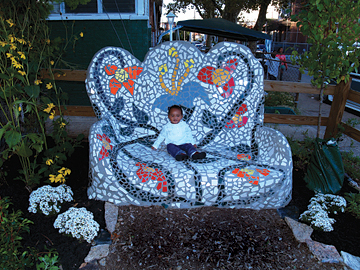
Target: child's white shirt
176 134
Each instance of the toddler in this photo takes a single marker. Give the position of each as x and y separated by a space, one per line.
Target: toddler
178 137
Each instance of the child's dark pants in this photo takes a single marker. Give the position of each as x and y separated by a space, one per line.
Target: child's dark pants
186 148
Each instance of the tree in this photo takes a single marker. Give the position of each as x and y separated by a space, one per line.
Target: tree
228 9
332 27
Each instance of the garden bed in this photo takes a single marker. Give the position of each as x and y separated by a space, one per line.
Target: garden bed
282 252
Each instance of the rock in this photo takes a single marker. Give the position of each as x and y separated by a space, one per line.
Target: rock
102 262
93 265
350 260
111 215
324 253
301 231
97 253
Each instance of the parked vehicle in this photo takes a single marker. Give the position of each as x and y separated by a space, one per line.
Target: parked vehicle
355 85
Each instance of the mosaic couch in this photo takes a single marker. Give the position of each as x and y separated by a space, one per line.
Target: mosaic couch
221 93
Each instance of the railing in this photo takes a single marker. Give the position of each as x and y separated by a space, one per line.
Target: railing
341 92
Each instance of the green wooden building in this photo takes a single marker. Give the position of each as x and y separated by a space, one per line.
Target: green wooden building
129 24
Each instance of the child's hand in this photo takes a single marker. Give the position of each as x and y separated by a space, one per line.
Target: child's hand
153 148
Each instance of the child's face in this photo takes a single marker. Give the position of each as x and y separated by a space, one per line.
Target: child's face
175 116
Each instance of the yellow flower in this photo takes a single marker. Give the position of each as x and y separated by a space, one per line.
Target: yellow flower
49 162
81 34
23 73
52 178
9 55
49 86
12 38
19 109
64 171
48 41
22 41
3 43
17 64
12 46
52 62
22 55
37 82
62 125
52 115
60 178
10 22
49 108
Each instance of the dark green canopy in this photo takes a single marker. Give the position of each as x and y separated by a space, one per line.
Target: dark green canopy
222 28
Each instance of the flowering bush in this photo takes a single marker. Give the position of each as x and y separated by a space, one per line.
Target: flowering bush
47 199
29 95
79 223
319 208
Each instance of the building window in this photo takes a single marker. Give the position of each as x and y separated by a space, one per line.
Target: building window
102 8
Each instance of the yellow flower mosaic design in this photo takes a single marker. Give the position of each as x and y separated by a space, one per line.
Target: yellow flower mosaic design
163 69
189 63
173 52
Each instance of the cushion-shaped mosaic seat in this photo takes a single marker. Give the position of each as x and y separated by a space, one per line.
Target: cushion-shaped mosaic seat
221 93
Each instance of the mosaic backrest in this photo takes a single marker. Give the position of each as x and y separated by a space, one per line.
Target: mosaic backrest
221 92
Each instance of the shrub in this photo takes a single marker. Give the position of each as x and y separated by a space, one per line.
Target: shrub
50 261
12 225
273 99
353 207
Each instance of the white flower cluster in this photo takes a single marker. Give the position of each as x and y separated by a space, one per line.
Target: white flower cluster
329 202
47 199
319 208
78 222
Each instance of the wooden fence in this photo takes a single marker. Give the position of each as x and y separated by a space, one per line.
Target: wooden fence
341 92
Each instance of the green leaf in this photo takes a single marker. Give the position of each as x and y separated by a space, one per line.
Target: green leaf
4 76
38 147
79 137
34 137
19 77
33 91
12 137
42 170
3 129
24 150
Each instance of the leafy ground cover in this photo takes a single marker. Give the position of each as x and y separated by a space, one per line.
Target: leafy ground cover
202 238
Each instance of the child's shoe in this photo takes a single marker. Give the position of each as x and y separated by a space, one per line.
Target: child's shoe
181 157
198 155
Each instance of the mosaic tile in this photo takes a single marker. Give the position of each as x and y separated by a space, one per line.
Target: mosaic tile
221 94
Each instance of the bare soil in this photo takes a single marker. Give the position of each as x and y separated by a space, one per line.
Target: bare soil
201 238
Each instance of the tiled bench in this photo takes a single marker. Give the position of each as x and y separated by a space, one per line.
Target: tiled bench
221 92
